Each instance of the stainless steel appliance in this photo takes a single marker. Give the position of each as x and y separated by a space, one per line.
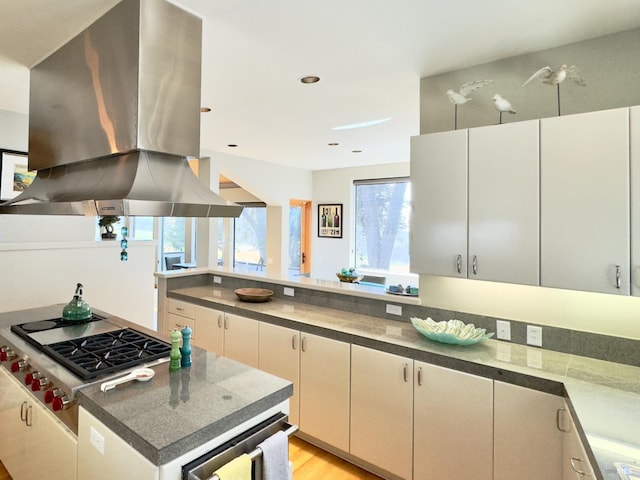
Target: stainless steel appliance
55 358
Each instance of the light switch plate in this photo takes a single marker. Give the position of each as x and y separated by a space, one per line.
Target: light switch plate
289 292
503 330
394 309
217 279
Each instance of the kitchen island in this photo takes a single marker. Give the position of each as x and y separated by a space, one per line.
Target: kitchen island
601 397
149 430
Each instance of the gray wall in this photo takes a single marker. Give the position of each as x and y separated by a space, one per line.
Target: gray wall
610 66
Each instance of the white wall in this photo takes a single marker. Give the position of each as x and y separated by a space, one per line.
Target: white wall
329 255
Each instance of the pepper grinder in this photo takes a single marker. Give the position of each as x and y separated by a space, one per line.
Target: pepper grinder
185 360
174 355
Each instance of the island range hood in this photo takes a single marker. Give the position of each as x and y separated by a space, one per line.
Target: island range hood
114 115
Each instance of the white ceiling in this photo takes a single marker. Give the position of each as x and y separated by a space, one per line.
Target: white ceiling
370 55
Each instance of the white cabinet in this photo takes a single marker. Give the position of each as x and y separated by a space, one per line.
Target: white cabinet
209 324
453 424
241 339
585 201
527 440
504 212
635 200
439 204
325 367
279 355
575 463
33 439
382 409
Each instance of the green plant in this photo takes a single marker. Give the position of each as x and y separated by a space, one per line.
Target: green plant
108 220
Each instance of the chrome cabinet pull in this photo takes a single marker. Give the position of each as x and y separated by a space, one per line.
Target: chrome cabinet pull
558 420
29 416
575 460
419 376
219 320
618 277
23 411
459 263
302 344
226 322
180 309
474 264
293 342
406 373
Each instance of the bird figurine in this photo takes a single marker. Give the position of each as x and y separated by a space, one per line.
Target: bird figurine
460 97
502 105
557 76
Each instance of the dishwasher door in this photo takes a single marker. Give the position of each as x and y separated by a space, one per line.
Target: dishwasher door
202 468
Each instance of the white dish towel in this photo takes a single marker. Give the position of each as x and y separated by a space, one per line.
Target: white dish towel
275 457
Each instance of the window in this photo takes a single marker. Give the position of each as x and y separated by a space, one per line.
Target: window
382 224
250 237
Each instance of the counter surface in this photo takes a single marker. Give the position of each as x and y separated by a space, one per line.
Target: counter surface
604 396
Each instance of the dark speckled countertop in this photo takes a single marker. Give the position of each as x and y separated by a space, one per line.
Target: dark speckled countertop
604 397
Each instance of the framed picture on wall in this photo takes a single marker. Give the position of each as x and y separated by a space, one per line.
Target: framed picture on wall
330 220
15 176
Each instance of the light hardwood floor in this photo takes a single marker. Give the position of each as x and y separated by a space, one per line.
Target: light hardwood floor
309 463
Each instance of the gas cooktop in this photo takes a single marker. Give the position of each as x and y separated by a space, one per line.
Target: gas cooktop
92 348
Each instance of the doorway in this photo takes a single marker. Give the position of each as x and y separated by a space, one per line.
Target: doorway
299 237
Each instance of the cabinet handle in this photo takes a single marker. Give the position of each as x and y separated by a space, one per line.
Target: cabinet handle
180 309
29 416
219 320
293 342
558 420
23 411
474 265
575 460
459 263
406 373
302 344
419 376
618 277
226 322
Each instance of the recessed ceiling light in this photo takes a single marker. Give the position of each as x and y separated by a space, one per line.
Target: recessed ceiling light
333 144
310 79
362 124
232 145
356 151
205 109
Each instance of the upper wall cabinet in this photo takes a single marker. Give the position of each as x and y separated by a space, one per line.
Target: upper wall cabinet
635 201
439 207
585 226
504 203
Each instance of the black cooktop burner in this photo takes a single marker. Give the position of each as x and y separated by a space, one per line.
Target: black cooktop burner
104 353
51 324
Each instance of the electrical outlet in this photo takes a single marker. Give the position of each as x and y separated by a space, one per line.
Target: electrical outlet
503 330
394 309
534 336
97 440
217 279
289 292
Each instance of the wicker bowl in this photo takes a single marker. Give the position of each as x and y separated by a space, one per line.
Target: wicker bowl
349 278
255 295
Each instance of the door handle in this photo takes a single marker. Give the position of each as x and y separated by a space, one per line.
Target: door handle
304 257
475 265
459 263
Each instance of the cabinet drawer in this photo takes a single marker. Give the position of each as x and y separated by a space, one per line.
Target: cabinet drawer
183 309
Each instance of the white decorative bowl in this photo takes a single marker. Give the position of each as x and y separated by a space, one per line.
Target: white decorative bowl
453 332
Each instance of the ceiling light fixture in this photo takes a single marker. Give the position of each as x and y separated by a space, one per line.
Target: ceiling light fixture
232 145
333 144
362 124
356 151
310 79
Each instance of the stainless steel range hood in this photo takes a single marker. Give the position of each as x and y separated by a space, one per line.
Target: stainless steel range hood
114 114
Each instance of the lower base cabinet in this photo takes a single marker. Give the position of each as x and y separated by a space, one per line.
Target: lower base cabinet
575 463
453 424
527 439
382 409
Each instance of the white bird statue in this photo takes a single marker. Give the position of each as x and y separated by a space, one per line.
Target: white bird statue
460 97
557 76
502 105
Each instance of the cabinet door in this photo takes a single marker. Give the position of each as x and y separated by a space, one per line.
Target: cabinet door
635 201
382 409
504 202
176 322
527 440
439 204
14 402
324 389
209 328
55 445
453 424
585 202
241 339
575 462
279 349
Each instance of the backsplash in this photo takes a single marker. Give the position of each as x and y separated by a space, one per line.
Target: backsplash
602 347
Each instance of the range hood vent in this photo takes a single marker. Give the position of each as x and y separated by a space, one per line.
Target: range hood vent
114 114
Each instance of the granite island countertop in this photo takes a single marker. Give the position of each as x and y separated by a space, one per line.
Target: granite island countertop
604 397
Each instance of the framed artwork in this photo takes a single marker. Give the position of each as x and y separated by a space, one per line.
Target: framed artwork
330 220
15 176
